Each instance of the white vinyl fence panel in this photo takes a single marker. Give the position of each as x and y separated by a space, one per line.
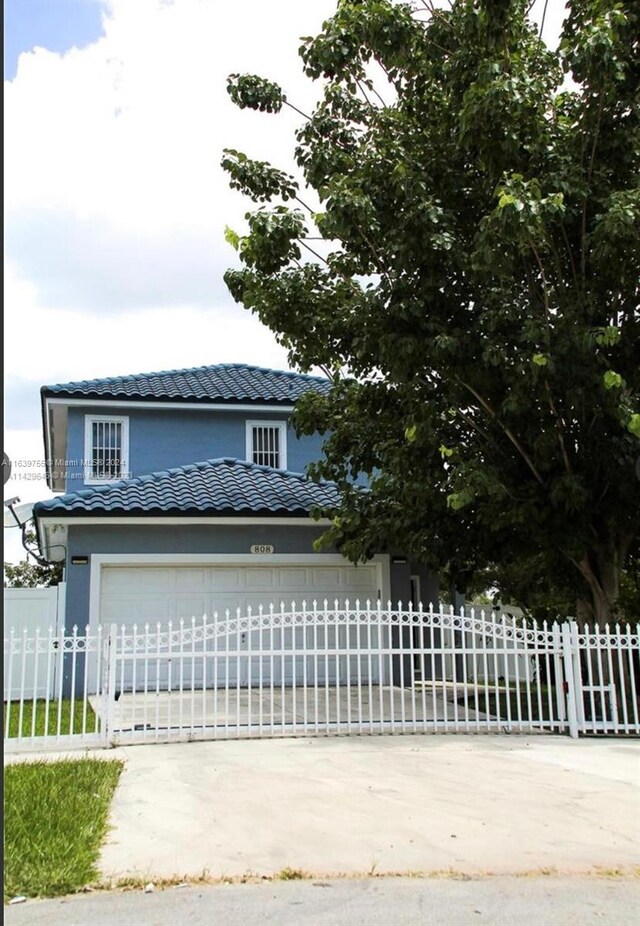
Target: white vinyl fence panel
29 612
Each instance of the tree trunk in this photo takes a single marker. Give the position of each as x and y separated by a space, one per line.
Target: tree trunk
600 569
605 685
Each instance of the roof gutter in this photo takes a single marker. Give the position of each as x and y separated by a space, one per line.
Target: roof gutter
167 405
65 520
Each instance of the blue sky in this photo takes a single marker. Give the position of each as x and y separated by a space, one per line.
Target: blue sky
57 25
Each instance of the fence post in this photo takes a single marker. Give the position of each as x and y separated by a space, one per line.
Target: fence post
109 691
569 655
559 674
577 674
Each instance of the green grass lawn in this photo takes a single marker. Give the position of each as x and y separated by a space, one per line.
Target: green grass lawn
55 818
41 718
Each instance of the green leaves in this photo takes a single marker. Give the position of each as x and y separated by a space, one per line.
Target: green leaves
523 201
612 380
272 242
508 199
521 225
458 500
608 336
595 39
257 179
358 32
31 575
249 91
476 285
232 238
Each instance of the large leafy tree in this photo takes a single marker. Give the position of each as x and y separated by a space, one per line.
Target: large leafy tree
474 292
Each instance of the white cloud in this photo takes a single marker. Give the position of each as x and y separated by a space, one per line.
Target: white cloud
58 344
121 142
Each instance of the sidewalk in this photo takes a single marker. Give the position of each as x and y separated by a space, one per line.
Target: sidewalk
360 805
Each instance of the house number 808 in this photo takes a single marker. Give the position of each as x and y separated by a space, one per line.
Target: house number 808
262 548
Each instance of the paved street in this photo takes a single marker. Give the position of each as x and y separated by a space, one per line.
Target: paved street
371 902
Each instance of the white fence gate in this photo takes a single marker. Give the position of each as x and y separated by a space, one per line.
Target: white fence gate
357 669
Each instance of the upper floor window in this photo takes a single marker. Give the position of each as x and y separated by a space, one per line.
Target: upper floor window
267 443
106 448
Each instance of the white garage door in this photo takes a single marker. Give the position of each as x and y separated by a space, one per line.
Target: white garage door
152 594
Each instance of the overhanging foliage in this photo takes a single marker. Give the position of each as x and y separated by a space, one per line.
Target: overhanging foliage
475 297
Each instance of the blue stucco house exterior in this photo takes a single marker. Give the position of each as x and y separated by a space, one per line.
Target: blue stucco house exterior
183 493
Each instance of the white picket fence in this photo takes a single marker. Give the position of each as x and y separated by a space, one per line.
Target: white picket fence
352 669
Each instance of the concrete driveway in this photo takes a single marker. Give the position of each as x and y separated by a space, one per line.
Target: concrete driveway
238 708
357 805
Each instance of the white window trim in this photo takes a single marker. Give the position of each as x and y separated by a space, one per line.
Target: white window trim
266 423
88 448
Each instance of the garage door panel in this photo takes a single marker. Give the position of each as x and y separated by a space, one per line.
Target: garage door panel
192 606
261 578
147 610
124 580
190 580
111 611
326 578
293 579
221 577
359 578
138 612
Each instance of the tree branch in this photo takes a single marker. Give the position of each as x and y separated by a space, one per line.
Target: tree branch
583 252
376 256
295 108
373 90
315 253
552 406
514 440
569 252
487 437
558 423
304 205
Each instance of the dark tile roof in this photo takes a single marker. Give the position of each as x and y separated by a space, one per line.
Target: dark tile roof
224 486
227 382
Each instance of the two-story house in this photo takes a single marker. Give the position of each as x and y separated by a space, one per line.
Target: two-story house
184 494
